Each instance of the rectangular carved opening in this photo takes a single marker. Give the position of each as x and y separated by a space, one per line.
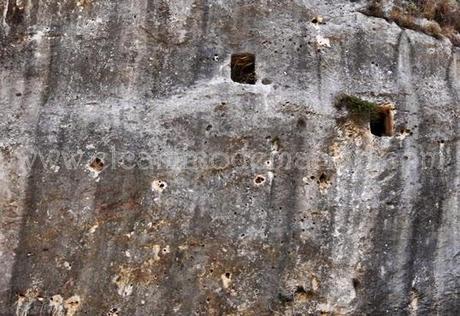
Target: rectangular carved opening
243 68
381 122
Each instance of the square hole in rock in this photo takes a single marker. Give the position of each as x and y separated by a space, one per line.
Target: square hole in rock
243 68
381 122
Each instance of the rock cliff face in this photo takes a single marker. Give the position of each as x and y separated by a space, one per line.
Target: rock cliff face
138 179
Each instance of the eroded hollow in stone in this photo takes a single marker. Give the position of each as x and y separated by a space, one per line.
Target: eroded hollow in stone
97 165
259 180
159 185
381 122
243 68
322 178
356 283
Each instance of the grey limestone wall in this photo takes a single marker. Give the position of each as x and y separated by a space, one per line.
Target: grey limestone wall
216 197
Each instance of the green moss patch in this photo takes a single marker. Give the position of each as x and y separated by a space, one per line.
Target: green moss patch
358 108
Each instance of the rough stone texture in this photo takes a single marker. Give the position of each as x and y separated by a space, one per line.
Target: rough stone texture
376 231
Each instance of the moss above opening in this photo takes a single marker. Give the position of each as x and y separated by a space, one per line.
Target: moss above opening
358 108
378 118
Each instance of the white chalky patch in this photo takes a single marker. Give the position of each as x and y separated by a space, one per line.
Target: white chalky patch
322 41
57 305
159 186
226 280
72 304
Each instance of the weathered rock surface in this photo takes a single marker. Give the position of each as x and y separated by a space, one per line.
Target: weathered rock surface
357 224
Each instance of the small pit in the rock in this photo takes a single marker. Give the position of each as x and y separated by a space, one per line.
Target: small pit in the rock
259 180
301 124
266 81
159 185
97 164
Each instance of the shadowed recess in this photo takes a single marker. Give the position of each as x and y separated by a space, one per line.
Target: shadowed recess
244 68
